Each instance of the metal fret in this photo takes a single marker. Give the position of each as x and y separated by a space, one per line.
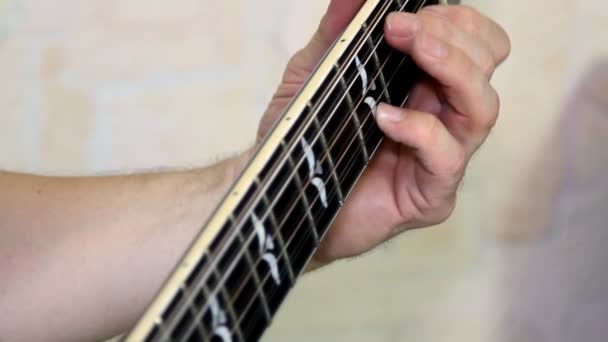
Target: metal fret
374 56
199 328
356 121
199 317
330 160
278 236
192 327
236 326
214 286
258 284
160 330
190 289
184 324
211 301
173 315
300 186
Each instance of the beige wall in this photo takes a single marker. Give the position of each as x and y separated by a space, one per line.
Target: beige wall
96 86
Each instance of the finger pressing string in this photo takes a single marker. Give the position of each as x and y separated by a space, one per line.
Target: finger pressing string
477 24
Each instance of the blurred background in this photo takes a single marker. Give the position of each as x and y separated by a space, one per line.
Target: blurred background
97 86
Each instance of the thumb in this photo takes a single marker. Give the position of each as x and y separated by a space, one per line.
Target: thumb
300 66
339 13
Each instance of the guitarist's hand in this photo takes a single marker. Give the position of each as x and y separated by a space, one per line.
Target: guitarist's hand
413 180
72 248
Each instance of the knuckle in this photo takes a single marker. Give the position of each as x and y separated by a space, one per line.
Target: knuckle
506 46
447 210
466 70
469 18
428 129
297 60
488 64
458 162
436 24
494 109
442 208
489 118
439 210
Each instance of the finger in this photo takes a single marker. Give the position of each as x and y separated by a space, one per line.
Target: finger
440 26
424 98
438 152
478 25
339 13
462 83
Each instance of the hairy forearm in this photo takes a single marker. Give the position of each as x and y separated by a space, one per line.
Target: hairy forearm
80 258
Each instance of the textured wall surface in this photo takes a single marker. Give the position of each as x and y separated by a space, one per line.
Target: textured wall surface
96 86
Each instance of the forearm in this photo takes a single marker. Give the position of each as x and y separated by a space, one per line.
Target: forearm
80 258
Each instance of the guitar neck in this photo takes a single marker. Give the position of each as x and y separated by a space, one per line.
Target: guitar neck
237 272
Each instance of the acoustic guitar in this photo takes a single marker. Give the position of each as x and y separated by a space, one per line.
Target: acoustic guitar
237 272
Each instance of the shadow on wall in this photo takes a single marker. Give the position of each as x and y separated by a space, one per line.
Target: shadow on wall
554 278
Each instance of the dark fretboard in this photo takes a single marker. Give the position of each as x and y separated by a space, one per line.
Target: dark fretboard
236 286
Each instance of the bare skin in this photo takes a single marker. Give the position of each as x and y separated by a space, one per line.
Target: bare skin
80 258
412 182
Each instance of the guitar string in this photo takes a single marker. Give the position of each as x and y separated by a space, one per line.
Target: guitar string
381 68
282 254
246 243
189 291
355 79
333 193
291 177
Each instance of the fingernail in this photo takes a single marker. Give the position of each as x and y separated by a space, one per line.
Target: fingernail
433 47
389 113
403 25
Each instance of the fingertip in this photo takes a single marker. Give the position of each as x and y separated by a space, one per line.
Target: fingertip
339 13
389 114
401 25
